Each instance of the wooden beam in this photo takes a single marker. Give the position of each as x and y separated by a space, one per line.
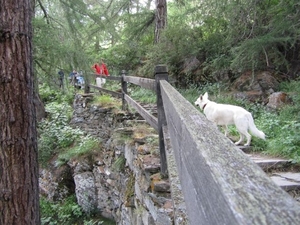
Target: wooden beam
143 82
113 93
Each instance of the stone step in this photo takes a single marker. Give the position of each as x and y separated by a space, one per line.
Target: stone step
287 180
269 163
281 172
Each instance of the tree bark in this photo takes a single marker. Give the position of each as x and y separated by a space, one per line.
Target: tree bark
160 18
19 188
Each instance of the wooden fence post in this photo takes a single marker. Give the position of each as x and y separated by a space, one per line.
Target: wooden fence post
86 83
124 90
161 73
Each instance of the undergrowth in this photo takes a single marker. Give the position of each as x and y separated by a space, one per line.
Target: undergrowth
57 137
105 100
68 212
141 94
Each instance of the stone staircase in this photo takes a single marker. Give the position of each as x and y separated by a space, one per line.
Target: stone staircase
282 171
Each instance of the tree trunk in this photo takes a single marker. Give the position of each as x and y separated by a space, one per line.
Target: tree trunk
19 189
160 18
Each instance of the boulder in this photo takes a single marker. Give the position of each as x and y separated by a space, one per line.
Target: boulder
255 87
277 100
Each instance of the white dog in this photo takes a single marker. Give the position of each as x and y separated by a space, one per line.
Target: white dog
222 114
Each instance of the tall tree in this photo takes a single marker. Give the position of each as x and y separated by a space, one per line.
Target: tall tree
19 189
160 18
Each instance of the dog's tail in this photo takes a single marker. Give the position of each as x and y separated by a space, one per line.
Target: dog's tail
253 129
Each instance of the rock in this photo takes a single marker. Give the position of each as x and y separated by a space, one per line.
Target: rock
277 100
56 183
255 87
86 191
150 163
161 186
143 150
252 96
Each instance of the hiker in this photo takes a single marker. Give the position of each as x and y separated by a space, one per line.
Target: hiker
103 68
72 76
79 80
61 76
100 69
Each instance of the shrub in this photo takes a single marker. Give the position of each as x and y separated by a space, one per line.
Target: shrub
49 94
55 134
106 101
66 212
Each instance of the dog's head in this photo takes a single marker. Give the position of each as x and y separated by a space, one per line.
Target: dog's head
202 100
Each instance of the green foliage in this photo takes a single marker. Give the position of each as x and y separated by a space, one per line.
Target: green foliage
49 94
191 93
57 136
81 146
141 94
68 212
119 163
284 127
220 35
103 100
54 132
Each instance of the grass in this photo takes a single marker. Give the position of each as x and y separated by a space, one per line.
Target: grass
119 164
142 95
68 212
86 146
106 101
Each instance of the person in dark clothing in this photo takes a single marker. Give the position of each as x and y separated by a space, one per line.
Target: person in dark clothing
61 76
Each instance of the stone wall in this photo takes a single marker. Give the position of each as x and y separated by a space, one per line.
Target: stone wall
121 180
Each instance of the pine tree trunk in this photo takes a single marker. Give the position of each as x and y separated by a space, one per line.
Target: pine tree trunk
19 189
160 18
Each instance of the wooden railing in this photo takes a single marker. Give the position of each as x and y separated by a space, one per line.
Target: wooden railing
151 84
220 184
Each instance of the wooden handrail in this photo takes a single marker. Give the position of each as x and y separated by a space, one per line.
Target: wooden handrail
220 184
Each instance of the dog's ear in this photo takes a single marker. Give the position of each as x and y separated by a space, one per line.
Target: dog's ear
205 96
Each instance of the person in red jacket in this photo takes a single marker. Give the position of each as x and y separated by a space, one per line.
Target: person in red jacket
100 69
96 68
103 68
